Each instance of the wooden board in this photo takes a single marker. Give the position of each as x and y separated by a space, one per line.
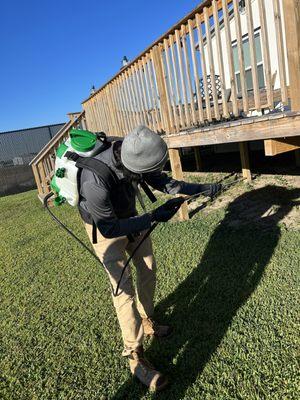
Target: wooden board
279 146
243 130
244 153
292 31
280 49
177 174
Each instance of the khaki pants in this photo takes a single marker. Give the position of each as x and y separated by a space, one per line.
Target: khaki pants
131 307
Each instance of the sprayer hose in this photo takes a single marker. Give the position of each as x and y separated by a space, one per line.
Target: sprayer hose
147 234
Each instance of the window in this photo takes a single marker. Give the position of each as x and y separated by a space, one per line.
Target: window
242 5
247 60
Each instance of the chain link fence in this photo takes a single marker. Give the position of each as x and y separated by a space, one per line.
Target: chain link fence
17 149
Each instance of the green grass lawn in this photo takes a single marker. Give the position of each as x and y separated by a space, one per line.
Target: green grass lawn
229 287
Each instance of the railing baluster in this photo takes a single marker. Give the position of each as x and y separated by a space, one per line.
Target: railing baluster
167 90
195 69
203 67
182 78
230 58
88 117
188 73
266 52
211 63
106 112
134 96
116 104
121 113
149 94
124 104
139 105
99 121
150 106
102 114
131 97
91 115
37 179
280 51
95 114
172 93
253 54
153 90
100 125
45 188
176 77
240 49
140 72
128 101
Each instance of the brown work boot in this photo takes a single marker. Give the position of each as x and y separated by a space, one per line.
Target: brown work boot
152 328
145 372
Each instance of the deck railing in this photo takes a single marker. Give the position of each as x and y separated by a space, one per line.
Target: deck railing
43 164
227 59
198 72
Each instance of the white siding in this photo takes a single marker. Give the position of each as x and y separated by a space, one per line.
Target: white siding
256 23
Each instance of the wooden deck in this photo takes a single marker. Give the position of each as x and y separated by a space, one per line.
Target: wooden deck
168 87
271 126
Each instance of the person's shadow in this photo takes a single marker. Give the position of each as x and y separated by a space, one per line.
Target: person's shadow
205 303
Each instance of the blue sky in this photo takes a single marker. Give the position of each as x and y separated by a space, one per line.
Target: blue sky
52 52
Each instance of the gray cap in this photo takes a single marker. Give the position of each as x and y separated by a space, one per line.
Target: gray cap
143 151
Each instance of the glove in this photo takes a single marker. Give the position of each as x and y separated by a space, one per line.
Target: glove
214 190
206 189
167 210
210 190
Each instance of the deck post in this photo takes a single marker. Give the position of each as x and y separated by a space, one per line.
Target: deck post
37 179
199 164
173 153
244 153
178 174
291 10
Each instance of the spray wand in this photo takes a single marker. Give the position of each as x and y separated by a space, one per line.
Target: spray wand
171 205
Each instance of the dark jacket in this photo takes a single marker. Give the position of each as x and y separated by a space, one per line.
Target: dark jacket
114 211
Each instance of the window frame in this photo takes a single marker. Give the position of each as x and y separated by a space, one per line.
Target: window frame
245 37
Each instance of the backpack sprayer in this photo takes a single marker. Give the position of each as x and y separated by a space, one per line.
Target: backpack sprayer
75 154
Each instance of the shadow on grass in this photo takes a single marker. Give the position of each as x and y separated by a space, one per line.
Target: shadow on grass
204 305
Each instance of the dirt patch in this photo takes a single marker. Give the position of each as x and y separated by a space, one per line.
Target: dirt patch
268 200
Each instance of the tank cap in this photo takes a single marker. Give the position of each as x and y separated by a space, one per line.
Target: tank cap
82 140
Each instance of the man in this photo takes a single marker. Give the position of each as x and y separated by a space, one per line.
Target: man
141 155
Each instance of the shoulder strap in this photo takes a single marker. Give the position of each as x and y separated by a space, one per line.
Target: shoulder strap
148 191
99 168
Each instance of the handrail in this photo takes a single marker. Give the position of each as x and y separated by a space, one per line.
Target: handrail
56 139
43 164
218 63
184 20
196 73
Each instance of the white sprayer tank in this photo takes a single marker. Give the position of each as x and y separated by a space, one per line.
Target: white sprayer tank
64 182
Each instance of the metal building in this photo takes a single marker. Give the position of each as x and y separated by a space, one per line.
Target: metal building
17 149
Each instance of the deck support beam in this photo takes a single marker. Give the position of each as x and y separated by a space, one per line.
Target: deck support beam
178 174
274 126
199 163
244 153
279 146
